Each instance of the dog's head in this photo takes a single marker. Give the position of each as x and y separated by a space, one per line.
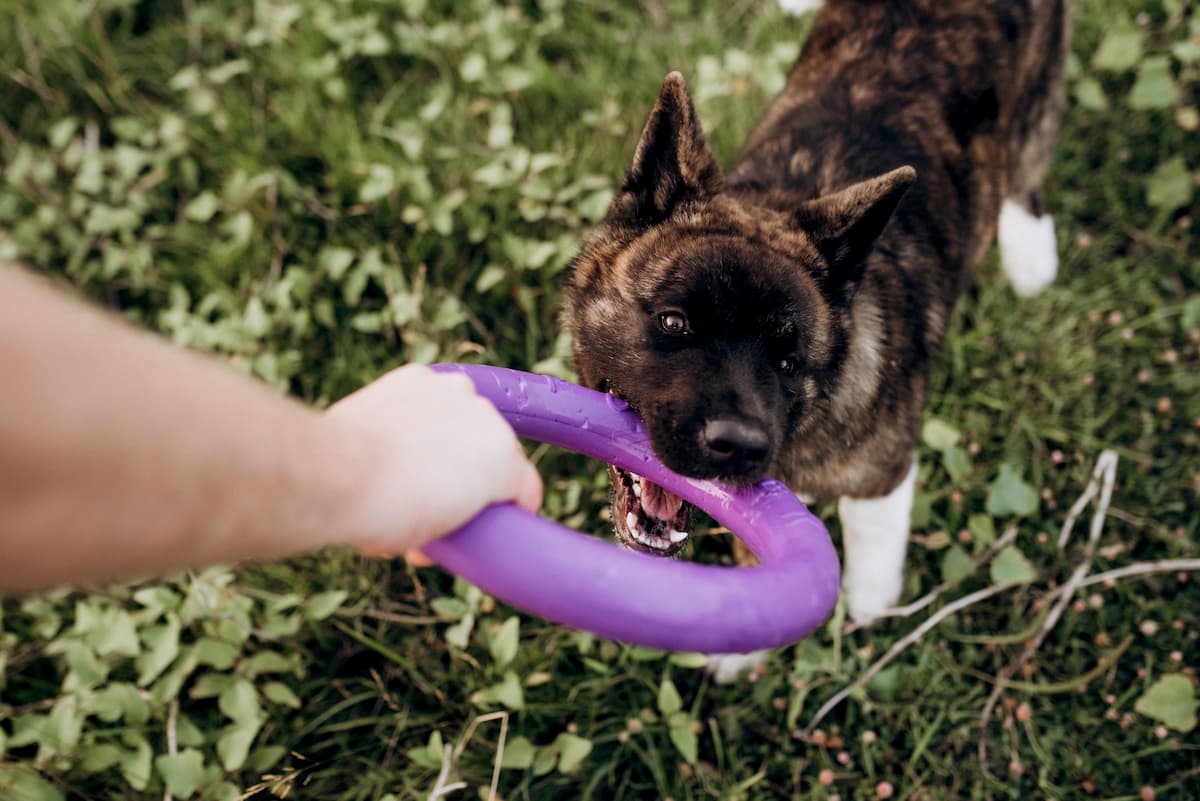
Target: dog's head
714 318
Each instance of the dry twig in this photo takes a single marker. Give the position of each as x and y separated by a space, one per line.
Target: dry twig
928 598
900 645
451 756
172 736
1103 477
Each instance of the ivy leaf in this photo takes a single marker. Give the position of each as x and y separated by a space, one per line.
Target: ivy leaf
335 261
939 435
182 772
956 565
683 736
202 207
572 750
1171 701
669 701
429 755
265 662
1012 567
1120 49
640 653
116 634
381 180
1010 495
324 604
1187 51
592 207
544 762
1191 313
1090 95
983 531
137 763
120 700
1169 187
459 634
450 608
1155 87
503 645
263 759
957 463
279 693
233 746
507 692
239 702
491 277
22 783
163 644
216 653
99 757
688 659
518 753
885 685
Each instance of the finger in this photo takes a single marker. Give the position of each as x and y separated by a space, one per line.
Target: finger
376 552
417 558
456 382
529 488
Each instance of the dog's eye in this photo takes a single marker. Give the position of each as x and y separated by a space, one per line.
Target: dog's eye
673 322
789 365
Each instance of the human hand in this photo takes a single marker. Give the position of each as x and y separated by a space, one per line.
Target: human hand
437 454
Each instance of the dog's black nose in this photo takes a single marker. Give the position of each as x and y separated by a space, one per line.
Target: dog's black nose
735 446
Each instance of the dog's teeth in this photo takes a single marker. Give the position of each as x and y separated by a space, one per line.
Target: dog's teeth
631 521
677 537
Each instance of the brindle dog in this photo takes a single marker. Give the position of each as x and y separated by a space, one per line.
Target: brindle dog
783 317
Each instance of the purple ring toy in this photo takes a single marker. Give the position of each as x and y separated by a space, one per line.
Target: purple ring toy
586 583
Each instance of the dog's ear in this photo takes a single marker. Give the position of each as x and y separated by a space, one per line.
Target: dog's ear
845 224
672 165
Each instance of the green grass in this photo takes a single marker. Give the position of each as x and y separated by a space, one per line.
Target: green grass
318 190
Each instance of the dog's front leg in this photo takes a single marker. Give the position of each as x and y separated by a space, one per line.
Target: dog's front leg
874 538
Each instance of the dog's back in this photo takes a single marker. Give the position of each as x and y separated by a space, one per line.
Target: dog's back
966 91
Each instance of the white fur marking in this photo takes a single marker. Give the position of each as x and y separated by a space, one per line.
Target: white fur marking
862 363
875 537
799 7
1028 251
725 668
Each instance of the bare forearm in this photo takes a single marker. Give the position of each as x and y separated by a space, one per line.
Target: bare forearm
121 455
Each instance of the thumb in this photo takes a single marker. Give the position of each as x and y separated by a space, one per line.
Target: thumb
529 488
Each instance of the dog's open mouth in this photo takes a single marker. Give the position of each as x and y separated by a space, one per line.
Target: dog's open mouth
646 517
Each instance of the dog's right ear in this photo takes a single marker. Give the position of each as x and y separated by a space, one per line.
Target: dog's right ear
672 165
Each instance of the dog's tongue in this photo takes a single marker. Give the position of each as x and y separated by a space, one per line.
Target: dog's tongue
658 502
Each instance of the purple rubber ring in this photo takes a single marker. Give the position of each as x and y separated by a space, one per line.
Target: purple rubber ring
586 583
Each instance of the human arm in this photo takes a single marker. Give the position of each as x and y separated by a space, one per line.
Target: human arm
122 455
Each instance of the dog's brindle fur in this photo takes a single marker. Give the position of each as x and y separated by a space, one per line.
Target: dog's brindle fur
816 289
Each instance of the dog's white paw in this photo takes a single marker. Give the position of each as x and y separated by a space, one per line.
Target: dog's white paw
1028 250
869 596
799 7
726 668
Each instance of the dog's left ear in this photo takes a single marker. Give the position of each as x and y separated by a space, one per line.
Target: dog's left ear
672 165
845 224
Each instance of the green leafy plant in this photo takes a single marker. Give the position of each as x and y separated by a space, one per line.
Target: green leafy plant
316 190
